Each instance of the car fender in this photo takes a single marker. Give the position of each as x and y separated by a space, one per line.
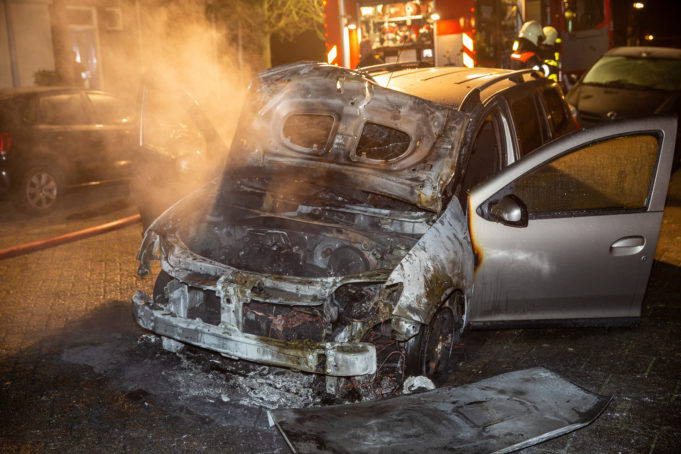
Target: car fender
439 263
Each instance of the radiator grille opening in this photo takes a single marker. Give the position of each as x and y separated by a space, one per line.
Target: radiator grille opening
208 311
283 322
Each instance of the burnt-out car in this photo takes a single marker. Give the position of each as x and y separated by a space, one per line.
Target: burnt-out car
357 230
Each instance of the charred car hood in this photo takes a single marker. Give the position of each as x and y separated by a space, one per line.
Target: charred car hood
319 119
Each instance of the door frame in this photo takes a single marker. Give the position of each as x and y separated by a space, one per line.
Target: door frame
664 127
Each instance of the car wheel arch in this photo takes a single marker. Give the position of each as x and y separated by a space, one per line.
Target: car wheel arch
39 187
441 260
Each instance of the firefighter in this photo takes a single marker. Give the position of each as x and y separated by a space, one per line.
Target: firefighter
526 52
550 53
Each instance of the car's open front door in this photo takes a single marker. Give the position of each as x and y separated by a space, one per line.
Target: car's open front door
569 232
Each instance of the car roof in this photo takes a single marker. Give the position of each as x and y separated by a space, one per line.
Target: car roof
645 52
450 84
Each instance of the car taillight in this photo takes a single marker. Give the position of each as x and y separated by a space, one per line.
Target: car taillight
5 142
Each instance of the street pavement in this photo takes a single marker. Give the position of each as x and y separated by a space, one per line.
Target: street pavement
78 375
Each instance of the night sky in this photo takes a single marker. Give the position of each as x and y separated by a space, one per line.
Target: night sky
660 18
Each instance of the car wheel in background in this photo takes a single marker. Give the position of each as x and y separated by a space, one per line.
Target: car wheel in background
40 188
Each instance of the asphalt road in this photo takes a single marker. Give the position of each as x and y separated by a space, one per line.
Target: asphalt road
78 375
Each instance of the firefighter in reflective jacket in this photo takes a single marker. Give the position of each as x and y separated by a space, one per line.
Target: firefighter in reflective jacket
550 53
526 52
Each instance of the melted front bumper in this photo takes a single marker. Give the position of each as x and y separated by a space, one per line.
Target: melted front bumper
329 358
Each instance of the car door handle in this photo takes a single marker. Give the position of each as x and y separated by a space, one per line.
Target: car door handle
628 245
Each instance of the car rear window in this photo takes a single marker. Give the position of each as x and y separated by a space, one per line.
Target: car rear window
382 143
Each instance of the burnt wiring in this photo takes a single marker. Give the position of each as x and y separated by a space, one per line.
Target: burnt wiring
390 372
279 323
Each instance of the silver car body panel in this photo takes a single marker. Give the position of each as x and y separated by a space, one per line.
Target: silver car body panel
569 267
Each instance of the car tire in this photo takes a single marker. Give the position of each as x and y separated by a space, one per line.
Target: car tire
436 351
40 189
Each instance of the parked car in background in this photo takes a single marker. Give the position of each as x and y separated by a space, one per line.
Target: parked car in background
628 82
364 219
56 138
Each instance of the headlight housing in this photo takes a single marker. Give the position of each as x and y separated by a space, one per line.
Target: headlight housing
362 301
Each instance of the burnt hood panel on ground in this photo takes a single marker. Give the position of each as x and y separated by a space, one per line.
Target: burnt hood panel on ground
499 414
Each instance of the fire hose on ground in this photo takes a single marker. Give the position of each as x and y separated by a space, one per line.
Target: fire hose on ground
26 248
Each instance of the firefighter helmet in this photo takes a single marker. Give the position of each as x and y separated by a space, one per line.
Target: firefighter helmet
531 31
550 35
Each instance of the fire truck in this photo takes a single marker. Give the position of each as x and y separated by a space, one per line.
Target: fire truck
461 32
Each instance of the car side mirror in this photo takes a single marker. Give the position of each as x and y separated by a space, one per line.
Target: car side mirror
510 210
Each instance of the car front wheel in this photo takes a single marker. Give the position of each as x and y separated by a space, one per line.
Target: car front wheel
437 349
40 189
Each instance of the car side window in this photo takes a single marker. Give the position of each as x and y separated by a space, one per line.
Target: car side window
610 176
526 119
557 112
485 159
62 109
110 110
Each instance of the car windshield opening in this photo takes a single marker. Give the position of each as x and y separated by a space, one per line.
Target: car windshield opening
627 72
